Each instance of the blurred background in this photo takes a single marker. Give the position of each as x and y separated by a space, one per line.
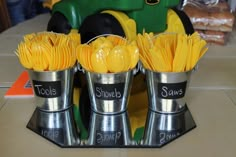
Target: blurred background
21 10
13 12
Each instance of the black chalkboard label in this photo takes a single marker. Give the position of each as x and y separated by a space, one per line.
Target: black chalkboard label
171 90
47 89
166 136
54 134
109 138
109 91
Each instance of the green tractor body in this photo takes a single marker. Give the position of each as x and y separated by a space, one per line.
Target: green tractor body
149 15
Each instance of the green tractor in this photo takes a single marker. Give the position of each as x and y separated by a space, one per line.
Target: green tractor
120 17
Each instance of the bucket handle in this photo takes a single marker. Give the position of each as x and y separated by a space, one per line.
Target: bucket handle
75 68
136 69
80 68
141 68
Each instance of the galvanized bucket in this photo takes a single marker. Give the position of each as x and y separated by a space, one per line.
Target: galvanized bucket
166 90
110 130
52 89
109 92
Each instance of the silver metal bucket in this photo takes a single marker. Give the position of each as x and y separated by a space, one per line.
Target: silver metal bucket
58 127
161 129
166 90
52 89
109 130
53 117
109 93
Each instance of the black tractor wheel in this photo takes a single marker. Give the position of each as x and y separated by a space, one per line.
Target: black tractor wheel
59 24
98 24
185 21
85 107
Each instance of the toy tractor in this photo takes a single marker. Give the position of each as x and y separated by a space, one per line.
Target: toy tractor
120 17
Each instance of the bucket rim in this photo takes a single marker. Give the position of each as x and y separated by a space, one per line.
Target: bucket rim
170 72
48 71
115 73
